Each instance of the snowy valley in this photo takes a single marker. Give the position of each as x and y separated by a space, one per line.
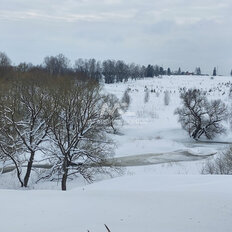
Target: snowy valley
160 186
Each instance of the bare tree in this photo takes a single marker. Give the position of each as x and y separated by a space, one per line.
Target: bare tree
24 67
10 147
78 131
4 59
10 152
135 71
199 116
24 109
90 68
111 112
109 71
56 65
122 71
5 63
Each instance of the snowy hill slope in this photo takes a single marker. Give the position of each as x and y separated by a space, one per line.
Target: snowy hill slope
167 197
145 203
151 127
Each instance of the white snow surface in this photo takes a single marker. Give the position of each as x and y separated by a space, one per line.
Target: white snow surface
152 127
140 203
166 197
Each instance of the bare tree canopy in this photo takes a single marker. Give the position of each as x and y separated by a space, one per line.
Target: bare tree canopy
56 65
65 118
78 130
199 116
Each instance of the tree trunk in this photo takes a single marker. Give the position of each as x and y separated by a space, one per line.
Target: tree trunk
201 133
17 170
29 167
65 176
64 181
19 175
196 132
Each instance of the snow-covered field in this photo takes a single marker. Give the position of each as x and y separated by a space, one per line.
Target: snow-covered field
152 127
141 203
170 195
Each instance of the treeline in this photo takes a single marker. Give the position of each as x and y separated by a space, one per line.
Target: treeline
109 71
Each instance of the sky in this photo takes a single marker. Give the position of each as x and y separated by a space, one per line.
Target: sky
171 33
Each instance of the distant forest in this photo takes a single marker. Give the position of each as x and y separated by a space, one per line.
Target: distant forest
109 71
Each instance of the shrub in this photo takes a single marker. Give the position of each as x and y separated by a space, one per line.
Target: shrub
166 98
126 100
221 165
146 96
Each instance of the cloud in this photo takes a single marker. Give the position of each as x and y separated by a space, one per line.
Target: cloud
168 32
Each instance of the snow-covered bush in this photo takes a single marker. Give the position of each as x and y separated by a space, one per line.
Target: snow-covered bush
126 100
146 96
146 113
166 98
221 165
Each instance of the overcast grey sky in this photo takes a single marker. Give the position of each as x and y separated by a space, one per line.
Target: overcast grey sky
171 33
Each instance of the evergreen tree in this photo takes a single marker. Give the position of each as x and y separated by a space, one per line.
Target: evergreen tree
161 71
150 71
214 71
198 71
157 70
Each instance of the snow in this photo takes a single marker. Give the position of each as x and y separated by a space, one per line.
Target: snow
171 195
138 203
152 127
